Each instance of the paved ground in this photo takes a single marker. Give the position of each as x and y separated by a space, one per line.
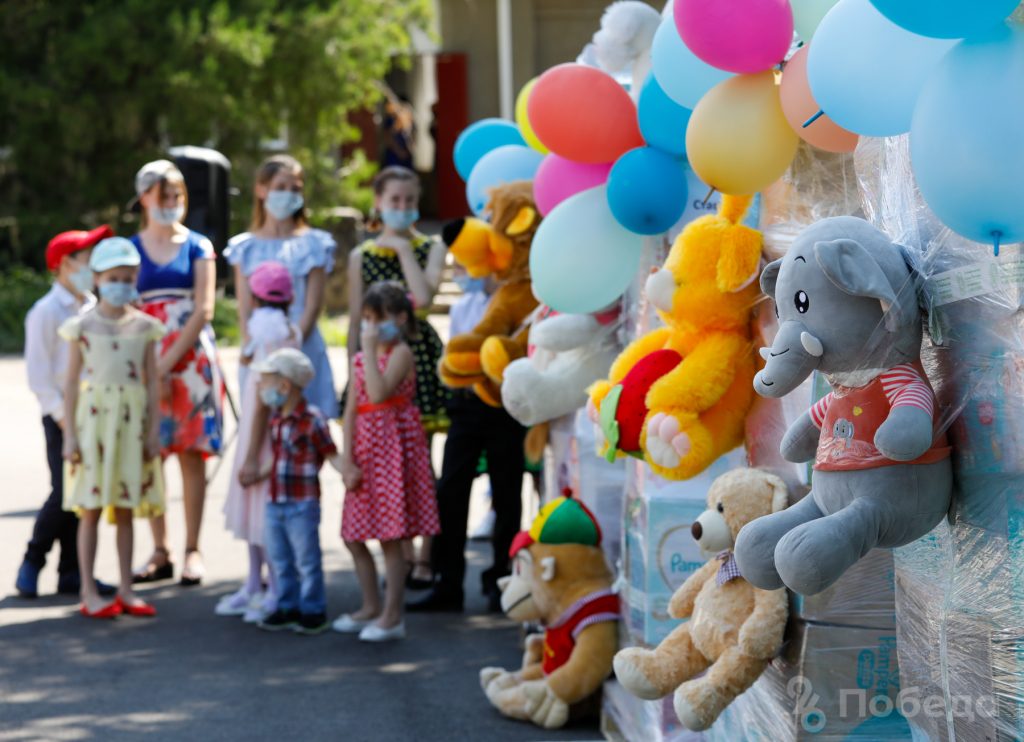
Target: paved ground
191 675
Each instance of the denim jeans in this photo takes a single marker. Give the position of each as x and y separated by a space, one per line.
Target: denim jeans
293 548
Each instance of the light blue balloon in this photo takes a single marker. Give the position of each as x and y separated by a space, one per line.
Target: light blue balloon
682 76
477 139
946 19
662 121
582 260
866 72
501 165
965 142
647 190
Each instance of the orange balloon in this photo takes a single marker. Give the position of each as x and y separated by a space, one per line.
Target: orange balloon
582 114
738 141
799 105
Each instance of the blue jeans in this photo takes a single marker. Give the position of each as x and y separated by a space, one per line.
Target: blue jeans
293 548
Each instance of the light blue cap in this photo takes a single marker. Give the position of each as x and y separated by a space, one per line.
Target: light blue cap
113 252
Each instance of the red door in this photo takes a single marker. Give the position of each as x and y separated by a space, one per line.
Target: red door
451 116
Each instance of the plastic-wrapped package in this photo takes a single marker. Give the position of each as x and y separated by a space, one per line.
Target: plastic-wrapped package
626 718
599 484
960 592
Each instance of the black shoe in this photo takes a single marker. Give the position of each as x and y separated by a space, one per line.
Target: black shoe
436 601
280 620
71 584
311 624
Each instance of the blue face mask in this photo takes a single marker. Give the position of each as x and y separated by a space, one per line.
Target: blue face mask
399 219
118 294
273 397
166 217
82 280
388 331
283 204
469 285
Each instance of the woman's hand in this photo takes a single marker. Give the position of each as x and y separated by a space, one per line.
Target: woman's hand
351 475
249 474
152 447
368 334
71 452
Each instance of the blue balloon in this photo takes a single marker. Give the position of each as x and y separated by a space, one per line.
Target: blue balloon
476 140
501 165
647 190
582 260
662 120
965 141
946 19
683 76
866 72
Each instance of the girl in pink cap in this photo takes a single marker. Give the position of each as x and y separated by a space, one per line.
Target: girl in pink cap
268 329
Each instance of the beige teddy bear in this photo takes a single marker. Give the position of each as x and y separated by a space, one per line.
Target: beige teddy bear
734 629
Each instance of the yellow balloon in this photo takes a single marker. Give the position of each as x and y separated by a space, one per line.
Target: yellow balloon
738 140
524 122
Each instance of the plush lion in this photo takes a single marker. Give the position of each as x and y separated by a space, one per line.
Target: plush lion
501 249
734 629
678 396
560 578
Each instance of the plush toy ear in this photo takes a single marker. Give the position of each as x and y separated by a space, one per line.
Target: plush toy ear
780 493
547 568
524 220
502 250
852 269
770 276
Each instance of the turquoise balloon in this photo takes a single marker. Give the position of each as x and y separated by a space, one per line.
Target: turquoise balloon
502 165
679 72
866 72
647 190
946 19
662 120
965 142
582 260
484 136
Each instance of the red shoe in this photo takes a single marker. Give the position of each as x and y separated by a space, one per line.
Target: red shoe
111 610
143 610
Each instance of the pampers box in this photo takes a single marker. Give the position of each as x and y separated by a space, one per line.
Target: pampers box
660 553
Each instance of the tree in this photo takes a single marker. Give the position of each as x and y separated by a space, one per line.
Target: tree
91 89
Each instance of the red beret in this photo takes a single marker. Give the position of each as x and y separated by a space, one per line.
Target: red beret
68 243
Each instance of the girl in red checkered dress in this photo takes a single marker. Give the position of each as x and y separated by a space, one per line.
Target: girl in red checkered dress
386 463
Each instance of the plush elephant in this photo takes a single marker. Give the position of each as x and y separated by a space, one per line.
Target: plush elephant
847 306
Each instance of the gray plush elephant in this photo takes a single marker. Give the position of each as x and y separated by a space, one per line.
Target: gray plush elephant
847 306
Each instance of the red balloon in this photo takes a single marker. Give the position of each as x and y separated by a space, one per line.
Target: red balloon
582 114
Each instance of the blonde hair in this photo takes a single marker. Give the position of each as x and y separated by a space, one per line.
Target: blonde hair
264 174
173 176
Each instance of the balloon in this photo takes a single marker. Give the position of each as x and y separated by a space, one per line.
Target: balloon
743 36
502 165
524 121
477 139
807 14
946 19
739 141
682 76
965 143
647 190
581 113
866 72
558 178
582 259
798 106
662 120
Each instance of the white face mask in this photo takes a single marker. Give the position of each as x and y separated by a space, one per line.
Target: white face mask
283 204
166 217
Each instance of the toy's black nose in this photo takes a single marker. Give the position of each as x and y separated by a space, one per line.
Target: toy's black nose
697 530
451 230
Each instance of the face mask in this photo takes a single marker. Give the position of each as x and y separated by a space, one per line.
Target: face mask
166 217
283 204
469 285
118 294
82 280
273 397
388 331
399 219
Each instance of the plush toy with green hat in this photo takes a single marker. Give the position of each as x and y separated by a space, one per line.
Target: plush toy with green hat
561 579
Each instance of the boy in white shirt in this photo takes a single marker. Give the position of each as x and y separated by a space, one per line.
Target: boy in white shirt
46 359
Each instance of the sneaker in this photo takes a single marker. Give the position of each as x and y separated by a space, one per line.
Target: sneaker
311 624
485 530
374 633
70 583
345 624
27 582
235 604
279 621
262 605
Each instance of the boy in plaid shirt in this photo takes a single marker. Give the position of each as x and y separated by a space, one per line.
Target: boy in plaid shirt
301 442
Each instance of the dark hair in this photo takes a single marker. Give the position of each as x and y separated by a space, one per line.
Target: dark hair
390 173
282 305
390 297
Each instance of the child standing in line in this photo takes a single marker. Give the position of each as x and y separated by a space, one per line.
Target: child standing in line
111 405
386 464
268 330
301 442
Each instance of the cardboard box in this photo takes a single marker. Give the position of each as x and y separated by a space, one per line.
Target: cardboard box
864 596
626 718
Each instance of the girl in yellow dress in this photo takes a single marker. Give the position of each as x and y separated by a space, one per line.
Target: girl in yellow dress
111 438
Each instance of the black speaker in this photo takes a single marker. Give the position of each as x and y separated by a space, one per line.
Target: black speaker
207 173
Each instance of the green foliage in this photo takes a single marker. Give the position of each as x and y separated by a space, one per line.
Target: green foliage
94 88
225 321
19 290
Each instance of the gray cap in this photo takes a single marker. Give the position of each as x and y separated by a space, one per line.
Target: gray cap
153 172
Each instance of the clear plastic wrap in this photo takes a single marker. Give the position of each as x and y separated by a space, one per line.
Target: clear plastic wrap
598 484
626 718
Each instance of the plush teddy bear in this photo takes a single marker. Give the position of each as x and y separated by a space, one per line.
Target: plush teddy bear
848 307
561 579
678 396
500 249
734 628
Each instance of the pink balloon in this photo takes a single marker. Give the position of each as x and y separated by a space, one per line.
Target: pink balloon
558 178
742 36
